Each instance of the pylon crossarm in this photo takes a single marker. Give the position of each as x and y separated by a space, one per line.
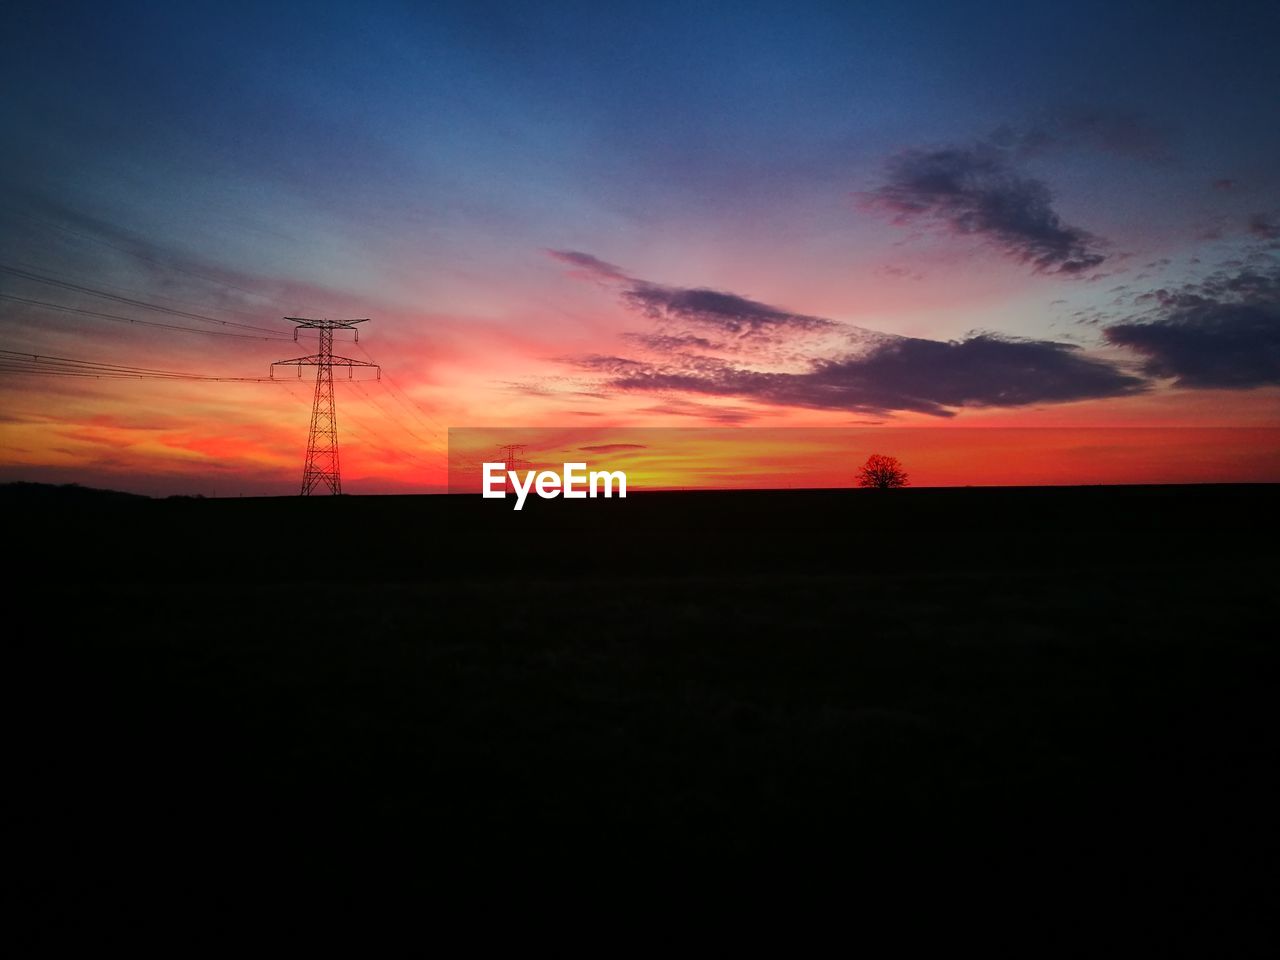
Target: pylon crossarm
315 361
335 324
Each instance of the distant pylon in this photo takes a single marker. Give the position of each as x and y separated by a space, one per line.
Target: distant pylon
511 456
322 469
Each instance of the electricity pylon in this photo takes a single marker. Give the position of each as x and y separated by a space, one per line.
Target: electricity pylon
511 456
321 468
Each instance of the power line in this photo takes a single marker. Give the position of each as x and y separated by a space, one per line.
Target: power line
146 323
397 393
387 413
149 259
46 365
12 361
388 445
379 441
394 391
393 445
67 285
134 253
396 386
322 462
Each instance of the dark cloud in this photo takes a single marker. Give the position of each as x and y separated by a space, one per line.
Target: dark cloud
548 387
1251 283
726 313
889 373
613 447
670 343
678 308
1218 346
976 191
600 361
1223 332
1226 183
904 374
590 265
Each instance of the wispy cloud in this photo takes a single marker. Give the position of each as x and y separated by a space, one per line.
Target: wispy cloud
726 314
588 265
976 191
670 343
883 374
1265 226
716 413
907 374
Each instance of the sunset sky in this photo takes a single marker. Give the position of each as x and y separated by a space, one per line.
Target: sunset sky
618 216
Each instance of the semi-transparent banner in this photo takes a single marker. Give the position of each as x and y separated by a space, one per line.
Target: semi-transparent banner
736 458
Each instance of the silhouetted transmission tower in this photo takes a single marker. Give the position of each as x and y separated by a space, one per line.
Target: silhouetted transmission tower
511 456
322 469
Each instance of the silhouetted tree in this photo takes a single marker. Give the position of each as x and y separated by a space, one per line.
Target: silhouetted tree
882 473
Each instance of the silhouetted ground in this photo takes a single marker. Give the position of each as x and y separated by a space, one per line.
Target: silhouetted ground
1076 684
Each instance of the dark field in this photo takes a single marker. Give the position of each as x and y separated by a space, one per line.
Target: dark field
1067 683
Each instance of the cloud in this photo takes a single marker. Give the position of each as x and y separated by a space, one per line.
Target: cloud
613 447
1221 333
1217 346
669 343
544 387
1264 226
589 265
726 313
672 406
887 373
896 272
976 191
905 374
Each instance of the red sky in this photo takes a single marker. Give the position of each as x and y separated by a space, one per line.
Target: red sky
523 372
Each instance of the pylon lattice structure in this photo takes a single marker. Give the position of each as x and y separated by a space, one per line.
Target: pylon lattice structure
322 471
512 457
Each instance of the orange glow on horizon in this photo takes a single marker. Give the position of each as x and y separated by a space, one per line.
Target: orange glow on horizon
738 458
